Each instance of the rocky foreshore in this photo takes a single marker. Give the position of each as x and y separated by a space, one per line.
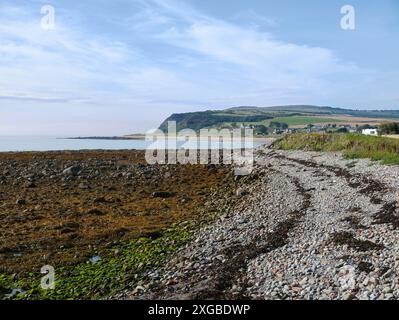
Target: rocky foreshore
302 225
308 226
61 208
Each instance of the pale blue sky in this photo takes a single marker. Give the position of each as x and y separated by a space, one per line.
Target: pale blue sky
122 66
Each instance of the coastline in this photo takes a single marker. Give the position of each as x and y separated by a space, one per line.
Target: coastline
49 144
115 227
143 137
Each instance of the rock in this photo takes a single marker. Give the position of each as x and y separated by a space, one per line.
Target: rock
138 289
348 296
83 186
241 192
72 171
20 202
303 282
67 230
163 194
96 212
95 259
72 225
100 200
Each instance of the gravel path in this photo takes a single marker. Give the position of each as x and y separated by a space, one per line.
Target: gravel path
309 226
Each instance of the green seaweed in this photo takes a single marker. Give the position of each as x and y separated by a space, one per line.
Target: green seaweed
108 276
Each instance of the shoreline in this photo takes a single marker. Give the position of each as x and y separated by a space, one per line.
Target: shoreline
293 236
143 138
257 142
67 208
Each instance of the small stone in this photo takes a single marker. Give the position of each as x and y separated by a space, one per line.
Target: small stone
20 202
163 194
96 212
83 186
72 171
100 200
348 296
241 192
138 289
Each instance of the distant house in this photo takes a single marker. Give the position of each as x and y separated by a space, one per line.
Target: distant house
370 132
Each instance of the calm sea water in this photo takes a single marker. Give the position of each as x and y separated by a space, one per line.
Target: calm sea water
56 144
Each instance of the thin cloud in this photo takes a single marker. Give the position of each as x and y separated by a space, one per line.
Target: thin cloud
158 57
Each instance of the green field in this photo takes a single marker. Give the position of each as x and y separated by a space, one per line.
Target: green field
301 120
353 146
291 121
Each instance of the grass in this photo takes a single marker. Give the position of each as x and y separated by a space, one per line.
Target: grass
292 121
299 120
353 146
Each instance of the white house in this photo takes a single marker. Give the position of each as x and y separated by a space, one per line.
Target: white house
370 132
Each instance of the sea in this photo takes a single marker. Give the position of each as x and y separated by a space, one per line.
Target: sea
15 144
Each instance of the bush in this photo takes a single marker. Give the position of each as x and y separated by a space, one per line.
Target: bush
278 125
389 128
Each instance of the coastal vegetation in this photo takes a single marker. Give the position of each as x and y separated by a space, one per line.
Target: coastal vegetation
388 128
353 146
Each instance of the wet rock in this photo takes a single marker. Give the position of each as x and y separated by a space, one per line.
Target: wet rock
72 225
163 194
96 212
100 200
66 230
20 202
72 170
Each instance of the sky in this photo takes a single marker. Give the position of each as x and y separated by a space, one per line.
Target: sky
122 66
